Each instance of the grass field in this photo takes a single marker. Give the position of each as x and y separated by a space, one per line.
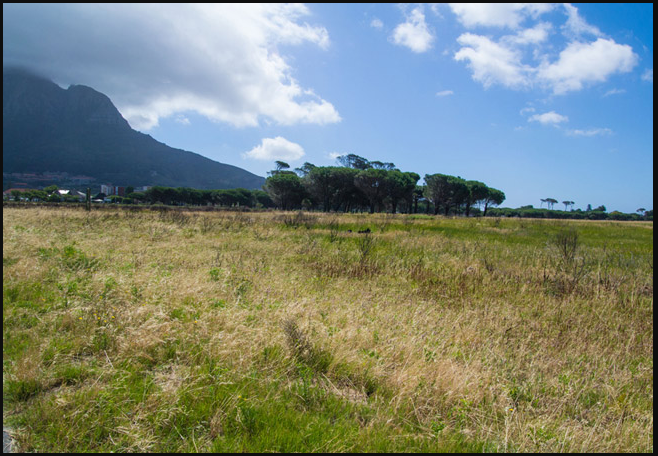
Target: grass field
178 331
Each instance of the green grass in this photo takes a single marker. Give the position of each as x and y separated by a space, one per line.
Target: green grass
258 332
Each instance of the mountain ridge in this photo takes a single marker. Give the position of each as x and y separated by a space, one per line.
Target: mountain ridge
79 131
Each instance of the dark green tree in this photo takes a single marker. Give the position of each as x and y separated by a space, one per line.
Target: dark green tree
446 191
354 161
550 202
401 186
286 189
304 169
372 182
494 197
321 185
477 191
437 190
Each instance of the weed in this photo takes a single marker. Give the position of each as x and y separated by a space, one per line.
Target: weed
303 351
365 244
566 243
22 390
299 219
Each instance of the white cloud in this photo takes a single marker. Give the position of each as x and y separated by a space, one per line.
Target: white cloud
534 35
154 61
444 93
376 23
614 92
648 75
582 63
413 33
527 59
278 148
181 119
590 132
548 118
492 62
576 25
509 15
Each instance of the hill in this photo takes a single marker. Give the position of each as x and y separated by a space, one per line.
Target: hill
79 131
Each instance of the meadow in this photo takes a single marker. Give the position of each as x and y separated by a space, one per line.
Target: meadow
181 331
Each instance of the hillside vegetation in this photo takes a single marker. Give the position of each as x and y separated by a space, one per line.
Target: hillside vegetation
180 331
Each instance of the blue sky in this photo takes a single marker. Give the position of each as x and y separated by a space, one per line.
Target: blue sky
547 100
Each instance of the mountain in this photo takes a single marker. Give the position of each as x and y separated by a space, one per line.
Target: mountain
79 131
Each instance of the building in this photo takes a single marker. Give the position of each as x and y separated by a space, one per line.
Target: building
113 190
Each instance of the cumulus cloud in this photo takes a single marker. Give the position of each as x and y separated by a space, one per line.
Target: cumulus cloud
376 23
548 118
577 65
413 33
509 15
444 93
526 58
582 63
157 60
278 148
492 62
533 35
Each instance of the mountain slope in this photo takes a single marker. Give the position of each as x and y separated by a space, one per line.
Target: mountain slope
80 131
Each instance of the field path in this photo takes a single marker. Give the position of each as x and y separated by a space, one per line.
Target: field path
6 441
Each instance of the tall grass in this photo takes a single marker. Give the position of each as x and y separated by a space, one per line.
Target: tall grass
220 331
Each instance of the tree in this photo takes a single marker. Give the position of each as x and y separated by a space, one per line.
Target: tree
418 193
372 182
285 188
381 165
304 169
446 191
458 195
641 211
494 197
320 184
437 189
567 203
550 202
280 165
401 186
262 199
477 191
347 196
543 200
51 189
354 161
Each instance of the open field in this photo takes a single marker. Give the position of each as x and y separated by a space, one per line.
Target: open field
181 331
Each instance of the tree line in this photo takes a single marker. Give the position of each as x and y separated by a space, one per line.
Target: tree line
363 185
357 185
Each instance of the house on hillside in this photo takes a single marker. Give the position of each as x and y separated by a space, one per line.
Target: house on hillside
72 194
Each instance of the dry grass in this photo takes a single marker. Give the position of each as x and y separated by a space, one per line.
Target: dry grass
487 329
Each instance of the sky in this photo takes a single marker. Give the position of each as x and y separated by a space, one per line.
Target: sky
537 100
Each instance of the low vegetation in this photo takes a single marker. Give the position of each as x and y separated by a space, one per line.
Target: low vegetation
182 331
